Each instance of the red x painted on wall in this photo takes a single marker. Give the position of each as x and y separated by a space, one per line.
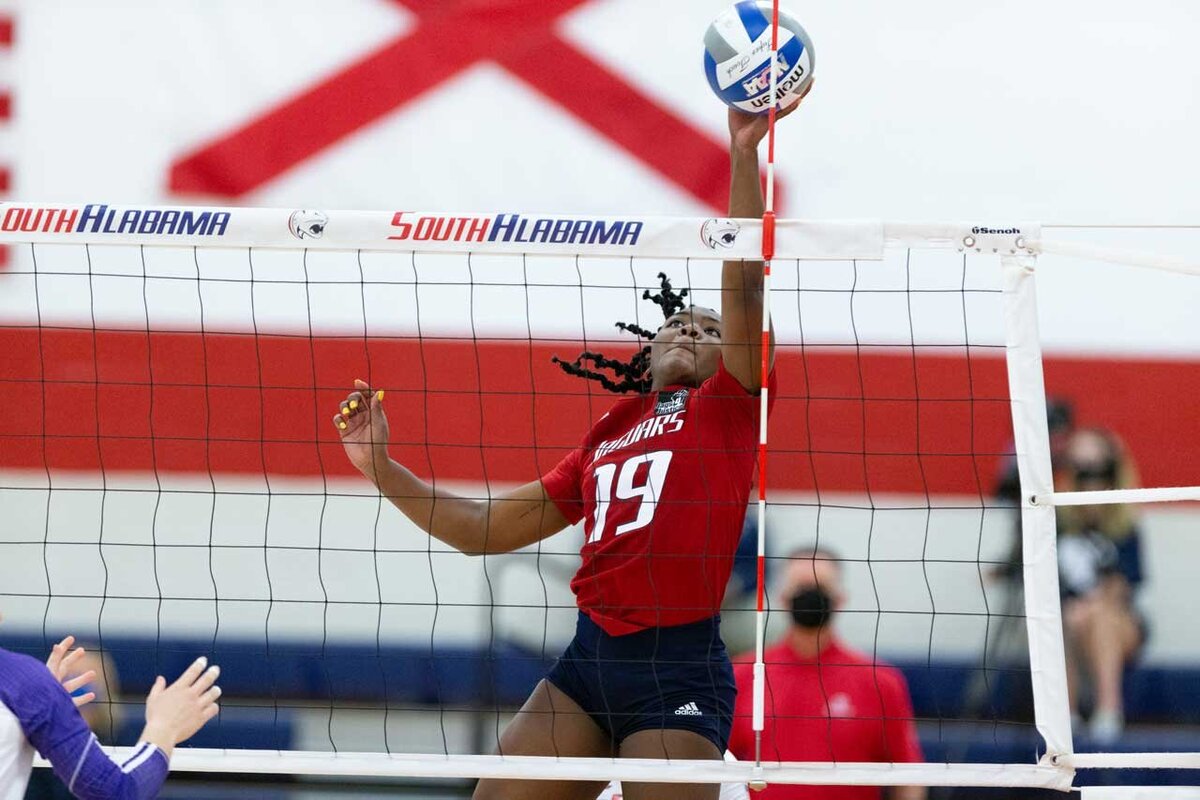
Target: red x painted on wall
451 36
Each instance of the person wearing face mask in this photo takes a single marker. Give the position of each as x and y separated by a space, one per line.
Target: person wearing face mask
824 700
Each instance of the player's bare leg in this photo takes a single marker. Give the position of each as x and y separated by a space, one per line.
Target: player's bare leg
549 724
677 746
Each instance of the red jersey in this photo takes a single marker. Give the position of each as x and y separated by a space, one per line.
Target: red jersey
663 481
840 706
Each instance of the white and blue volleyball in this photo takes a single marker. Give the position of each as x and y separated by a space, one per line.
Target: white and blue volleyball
737 57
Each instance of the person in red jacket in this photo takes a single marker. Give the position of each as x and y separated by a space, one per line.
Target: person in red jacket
824 700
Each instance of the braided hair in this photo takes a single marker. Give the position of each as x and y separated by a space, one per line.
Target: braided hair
631 375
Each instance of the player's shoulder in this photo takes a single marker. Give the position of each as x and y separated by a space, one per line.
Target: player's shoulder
26 683
731 395
890 677
722 384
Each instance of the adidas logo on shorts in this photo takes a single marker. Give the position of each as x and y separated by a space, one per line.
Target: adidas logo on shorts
688 710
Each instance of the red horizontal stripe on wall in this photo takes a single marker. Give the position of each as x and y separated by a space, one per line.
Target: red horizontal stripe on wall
932 422
6 30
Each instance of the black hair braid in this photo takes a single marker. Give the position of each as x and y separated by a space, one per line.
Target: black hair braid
632 374
670 301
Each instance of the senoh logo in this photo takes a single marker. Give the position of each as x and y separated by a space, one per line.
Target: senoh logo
100 219
979 229
514 228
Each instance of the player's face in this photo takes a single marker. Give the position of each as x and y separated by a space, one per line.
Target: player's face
687 348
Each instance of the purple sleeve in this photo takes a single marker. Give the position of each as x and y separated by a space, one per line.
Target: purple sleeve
54 727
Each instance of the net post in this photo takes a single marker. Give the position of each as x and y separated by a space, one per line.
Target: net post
1039 549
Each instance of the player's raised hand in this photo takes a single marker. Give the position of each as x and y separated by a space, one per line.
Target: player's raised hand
747 130
175 712
363 427
62 663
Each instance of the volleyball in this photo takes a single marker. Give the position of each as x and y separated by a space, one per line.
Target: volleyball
737 56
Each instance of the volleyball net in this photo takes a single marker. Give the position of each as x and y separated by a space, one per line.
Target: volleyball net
172 485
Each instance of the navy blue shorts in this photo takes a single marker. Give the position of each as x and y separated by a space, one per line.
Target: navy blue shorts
676 678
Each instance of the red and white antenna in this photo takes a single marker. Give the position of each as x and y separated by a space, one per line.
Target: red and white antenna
768 253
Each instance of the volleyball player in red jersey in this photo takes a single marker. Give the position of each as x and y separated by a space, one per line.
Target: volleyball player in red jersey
662 481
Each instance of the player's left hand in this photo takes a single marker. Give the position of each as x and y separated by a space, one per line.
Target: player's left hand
747 130
61 662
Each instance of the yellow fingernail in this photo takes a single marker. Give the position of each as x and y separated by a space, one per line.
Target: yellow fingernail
353 404
345 411
379 394
342 424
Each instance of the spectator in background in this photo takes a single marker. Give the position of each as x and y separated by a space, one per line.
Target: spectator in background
824 701
1100 570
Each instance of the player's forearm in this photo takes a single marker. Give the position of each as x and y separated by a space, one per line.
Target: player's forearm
460 522
742 281
745 202
160 738
745 189
90 774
